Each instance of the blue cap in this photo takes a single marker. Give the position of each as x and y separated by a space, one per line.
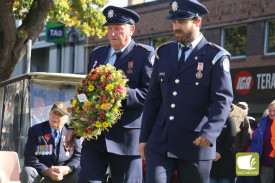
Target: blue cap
186 9
117 15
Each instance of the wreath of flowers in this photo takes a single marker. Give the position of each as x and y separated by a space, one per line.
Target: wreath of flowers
105 88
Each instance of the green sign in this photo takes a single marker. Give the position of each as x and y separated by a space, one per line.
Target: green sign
247 164
56 32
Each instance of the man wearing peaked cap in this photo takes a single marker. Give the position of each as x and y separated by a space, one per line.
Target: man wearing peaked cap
118 147
46 158
188 101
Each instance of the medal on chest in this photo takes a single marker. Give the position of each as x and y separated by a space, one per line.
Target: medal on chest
130 67
199 69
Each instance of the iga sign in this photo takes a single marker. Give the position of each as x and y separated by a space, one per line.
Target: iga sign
254 82
243 82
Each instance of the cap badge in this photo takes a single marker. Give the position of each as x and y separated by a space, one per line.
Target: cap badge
175 6
110 13
60 106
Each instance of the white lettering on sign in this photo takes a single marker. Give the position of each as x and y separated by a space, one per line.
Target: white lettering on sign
57 33
266 81
244 83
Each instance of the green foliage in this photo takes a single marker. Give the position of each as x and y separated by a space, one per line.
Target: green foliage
83 14
235 40
271 37
160 40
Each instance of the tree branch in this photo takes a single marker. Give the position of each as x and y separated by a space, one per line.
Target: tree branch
7 28
33 24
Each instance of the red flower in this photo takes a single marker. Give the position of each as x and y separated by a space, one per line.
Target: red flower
47 136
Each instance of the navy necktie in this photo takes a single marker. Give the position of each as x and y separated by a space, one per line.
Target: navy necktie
182 57
56 137
56 141
118 53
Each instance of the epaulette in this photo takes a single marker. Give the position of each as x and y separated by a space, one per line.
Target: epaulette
161 46
147 47
98 47
221 53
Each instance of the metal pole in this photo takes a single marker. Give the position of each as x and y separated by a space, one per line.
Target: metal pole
28 56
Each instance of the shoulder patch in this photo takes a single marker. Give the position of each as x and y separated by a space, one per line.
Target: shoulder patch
164 44
98 47
225 64
147 47
222 52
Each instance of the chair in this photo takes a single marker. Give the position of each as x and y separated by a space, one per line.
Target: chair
9 163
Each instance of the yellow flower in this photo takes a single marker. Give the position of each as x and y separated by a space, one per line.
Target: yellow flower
104 106
114 109
73 103
87 103
98 124
110 86
112 101
91 88
97 106
105 124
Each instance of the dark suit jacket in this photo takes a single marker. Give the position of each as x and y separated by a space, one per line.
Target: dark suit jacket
225 167
123 137
36 137
181 106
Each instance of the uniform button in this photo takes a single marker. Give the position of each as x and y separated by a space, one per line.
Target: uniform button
160 80
173 105
177 81
197 83
175 93
171 118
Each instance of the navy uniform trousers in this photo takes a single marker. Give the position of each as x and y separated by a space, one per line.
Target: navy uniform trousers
118 147
183 103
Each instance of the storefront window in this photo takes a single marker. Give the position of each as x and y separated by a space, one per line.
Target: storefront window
234 40
271 37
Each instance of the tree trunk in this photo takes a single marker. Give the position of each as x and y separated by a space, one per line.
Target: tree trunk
13 40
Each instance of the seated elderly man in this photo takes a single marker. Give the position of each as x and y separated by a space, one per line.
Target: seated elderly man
46 158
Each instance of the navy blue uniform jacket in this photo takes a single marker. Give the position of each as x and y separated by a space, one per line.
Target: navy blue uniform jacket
36 136
123 137
181 106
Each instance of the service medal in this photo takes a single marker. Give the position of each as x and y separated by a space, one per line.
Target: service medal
37 151
199 69
43 150
50 149
67 153
130 67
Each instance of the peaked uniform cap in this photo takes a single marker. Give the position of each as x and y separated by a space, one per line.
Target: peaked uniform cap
186 9
117 15
61 107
